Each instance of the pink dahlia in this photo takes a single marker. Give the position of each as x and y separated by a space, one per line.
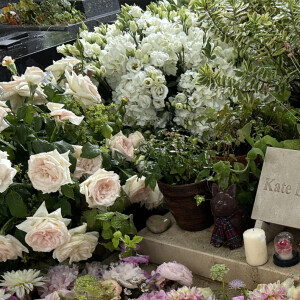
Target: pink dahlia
186 293
271 291
175 272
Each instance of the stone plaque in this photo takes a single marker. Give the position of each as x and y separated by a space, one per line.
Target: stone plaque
278 194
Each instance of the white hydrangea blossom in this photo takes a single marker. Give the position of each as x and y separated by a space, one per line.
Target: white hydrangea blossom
161 47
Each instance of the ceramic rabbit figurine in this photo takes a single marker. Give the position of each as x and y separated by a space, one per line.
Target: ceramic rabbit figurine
228 222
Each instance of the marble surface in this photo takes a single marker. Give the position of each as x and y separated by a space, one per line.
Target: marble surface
193 249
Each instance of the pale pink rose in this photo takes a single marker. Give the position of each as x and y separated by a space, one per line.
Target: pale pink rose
7 173
45 231
136 138
101 189
66 115
82 88
3 123
135 189
10 248
80 247
34 75
175 272
122 144
62 65
85 165
48 171
24 91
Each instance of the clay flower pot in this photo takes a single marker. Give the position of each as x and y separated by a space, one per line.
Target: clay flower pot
182 204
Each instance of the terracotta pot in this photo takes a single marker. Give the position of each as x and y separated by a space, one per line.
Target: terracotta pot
181 202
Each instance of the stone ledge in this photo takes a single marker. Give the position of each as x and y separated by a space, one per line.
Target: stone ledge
194 251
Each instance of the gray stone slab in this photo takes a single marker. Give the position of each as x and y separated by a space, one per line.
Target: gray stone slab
278 193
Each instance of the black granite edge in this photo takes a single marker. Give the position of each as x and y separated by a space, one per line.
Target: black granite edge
14 28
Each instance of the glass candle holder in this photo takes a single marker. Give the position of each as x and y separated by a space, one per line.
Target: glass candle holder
283 244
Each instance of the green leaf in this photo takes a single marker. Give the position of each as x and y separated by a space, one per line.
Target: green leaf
108 246
22 133
107 232
246 131
253 153
63 147
291 144
67 190
106 131
118 234
137 239
115 242
65 207
73 161
36 123
40 146
90 151
16 205
105 216
90 217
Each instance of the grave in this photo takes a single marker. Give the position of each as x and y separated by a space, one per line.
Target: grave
34 48
193 249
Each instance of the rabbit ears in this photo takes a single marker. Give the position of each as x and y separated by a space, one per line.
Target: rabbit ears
230 191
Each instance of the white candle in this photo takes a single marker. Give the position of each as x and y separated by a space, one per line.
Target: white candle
255 246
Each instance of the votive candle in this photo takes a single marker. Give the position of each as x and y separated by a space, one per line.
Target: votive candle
255 246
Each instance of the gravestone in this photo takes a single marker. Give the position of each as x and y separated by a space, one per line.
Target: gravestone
32 49
277 203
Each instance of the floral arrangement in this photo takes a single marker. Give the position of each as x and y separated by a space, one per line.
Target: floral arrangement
152 58
66 170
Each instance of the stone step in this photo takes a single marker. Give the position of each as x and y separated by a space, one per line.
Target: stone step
193 249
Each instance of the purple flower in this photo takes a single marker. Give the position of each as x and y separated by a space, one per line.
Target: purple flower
186 293
95 269
59 278
161 295
175 272
140 259
236 284
238 298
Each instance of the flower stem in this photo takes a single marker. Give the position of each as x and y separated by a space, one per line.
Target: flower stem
54 133
28 296
5 226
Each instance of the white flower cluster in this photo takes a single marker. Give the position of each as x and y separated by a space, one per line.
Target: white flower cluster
152 58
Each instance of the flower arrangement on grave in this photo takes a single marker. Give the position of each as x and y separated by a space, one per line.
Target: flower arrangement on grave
50 12
152 58
66 170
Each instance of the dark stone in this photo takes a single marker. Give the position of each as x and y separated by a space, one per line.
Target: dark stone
33 49
158 224
140 3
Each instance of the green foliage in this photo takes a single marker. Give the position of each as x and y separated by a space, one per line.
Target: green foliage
50 12
266 36
173 158
88 287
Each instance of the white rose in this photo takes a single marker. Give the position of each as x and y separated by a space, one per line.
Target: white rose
7 173
34 75
135 11
66 115
3 123
82 88
10 248
80 246
45 231
24 91
48 171
7 60
122 144
159 92
135 189
85 165
136 138
101 189
181 98
62 65
144 101
54 106
154 199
